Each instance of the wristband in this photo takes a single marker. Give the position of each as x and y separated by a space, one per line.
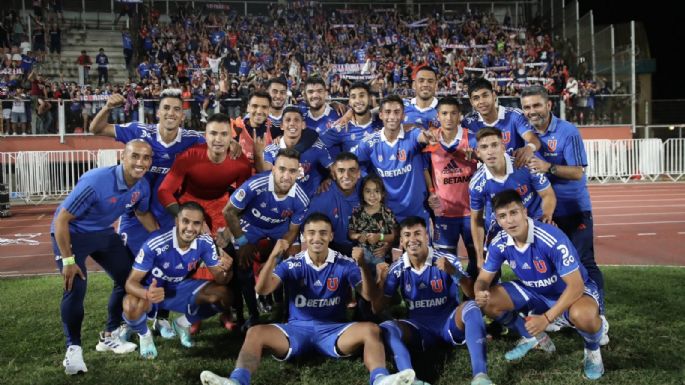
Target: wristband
240 241
532 146
382 237
69 261
547 318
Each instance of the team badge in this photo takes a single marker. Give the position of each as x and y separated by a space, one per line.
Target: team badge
240 195
134 197
512 264
506 137
552 144
402 155
540 266
332 283
522 190
436 285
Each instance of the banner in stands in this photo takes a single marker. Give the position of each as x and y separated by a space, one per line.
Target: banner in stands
221 7
353 68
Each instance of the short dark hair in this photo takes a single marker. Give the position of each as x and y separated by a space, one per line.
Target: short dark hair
392 99
535 91
488 131
289 153
292 109
504 198
346 155
314 80
427 68
361 85
318 217
219 117
259 94
412 221
448 101
479 84
191 205
277 80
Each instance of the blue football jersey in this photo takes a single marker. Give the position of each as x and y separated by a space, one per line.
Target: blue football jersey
318 293
400 164
563 145
162 258
484 186
275 122
341 139
313 163
261 207
163 156
540 265
323 122
422 117
510 121
430 293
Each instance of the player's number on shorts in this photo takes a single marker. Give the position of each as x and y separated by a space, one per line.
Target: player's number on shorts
567 258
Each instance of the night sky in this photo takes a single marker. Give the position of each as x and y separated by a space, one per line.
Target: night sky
665 32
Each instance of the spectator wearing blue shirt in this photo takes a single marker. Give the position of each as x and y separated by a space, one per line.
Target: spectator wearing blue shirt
144 69
82 226
340 199
551 283
103 62
160 278
127 43
562 157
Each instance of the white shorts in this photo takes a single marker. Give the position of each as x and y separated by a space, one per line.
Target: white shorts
6 113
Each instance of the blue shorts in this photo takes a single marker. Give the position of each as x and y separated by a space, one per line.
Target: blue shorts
182 298
447 231
310 336
254 233
433 332
526 300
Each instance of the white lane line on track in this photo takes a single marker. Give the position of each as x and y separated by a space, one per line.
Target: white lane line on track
637 223
606 236
645 234
637 200
595 207
24 256
636 214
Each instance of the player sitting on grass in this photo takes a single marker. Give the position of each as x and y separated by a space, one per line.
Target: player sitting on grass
316 282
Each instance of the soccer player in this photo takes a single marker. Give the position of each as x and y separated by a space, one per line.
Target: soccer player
562 157
340 199
317 282
487 113
497 173
320 115
452 166
314 159
362 123
551 283
204 173
160 278
278 90
420 111
270 206
167 140
395 155
254 125
82 226
429 280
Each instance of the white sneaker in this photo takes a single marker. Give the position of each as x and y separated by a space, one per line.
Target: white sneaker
405 377
605 333
592 364
209 378
112 343
73 361
558 324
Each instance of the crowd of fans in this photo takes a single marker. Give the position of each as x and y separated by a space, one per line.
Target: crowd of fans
218 56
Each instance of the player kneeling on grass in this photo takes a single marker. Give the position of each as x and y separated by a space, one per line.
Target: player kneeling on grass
428 279
164 264
551 283
316 283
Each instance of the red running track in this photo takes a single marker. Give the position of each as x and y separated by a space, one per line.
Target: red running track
635 224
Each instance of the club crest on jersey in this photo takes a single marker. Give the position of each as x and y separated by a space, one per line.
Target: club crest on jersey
436 285
192 265
540 266
134 197
286 213
522 190
402 155
552 144
332 283
506 137
240 195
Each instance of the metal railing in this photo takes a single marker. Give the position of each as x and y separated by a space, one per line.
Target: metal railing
36 176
